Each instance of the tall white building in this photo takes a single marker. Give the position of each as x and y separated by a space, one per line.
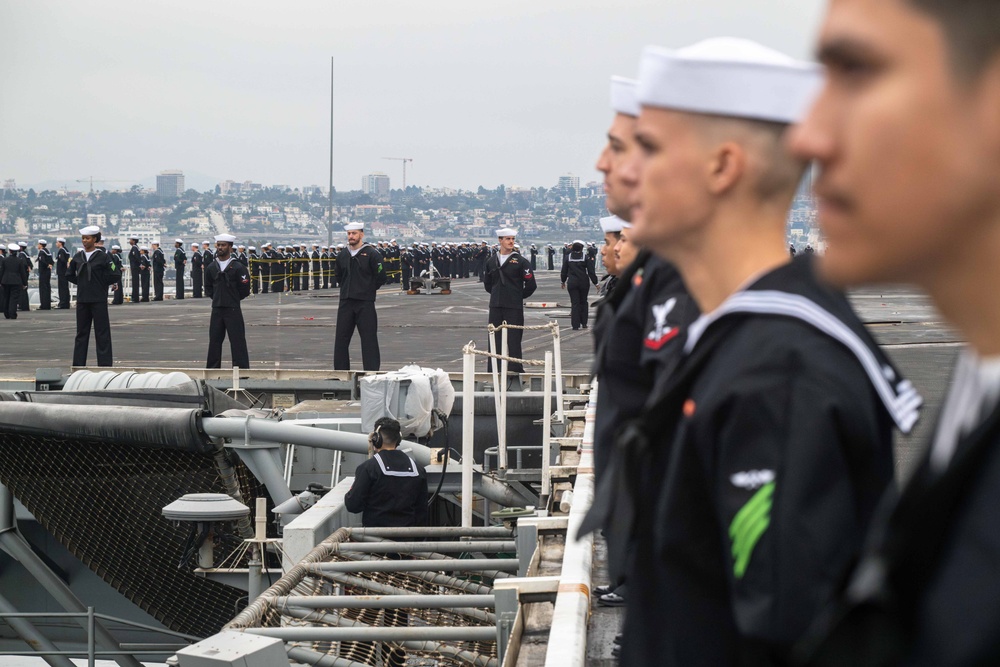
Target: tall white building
170 183
376 184
570 185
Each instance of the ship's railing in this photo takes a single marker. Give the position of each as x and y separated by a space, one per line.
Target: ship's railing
501 360
568 634
21 622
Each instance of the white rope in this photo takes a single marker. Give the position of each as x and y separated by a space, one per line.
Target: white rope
496 327
471 349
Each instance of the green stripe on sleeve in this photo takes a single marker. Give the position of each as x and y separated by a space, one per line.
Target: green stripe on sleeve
747 527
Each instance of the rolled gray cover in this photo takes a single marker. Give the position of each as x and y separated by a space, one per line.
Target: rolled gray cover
157 428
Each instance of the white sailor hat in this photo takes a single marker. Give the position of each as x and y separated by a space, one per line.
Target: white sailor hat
611 223
178 240
13 246
93 230
242 246
133 238
315 245
506 231
42 242
60 240
116 247
194 245
340 245
142 247
392 241
206 243
576 241
727 76
354 226
22 244
281 247
623 96
253 247
225 238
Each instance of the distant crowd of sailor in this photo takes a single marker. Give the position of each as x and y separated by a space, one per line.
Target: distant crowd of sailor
292 268
358 269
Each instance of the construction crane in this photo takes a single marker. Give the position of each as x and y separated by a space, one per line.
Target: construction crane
99 180
404 160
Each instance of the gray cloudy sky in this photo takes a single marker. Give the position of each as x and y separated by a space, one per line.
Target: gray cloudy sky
476 92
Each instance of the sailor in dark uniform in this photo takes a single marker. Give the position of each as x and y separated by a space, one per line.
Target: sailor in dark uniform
180 261
908 194
62 263
576 277
144 271
611 228
253 264
361 273
197 271
265 268
390 489
44 263
294 268
159 262
227 284
22 301
315 264
117 291
13 279
550 253
93 271
758 463
134 261
206 258
406 268
509 280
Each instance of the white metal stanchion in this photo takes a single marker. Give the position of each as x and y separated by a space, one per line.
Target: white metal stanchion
468 432
495 366
556 345
502 417
547 427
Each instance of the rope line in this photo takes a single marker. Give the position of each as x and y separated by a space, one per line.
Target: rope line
472 349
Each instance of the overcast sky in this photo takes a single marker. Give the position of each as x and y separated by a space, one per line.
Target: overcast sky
476 92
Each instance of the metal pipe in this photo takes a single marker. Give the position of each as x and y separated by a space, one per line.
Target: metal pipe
447 565
30 634
287 431
456 653
317 659
476 633
433 531
468 433
482 546
15 545
394 592
386 589
424 557
385 601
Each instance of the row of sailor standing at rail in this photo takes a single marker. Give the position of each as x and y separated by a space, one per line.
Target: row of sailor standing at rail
743 446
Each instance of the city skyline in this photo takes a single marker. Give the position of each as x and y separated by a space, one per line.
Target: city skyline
513 94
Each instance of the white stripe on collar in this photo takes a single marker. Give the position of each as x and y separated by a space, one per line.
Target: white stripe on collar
902 400
412 472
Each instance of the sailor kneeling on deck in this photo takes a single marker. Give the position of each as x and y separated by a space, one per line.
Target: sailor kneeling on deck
390 489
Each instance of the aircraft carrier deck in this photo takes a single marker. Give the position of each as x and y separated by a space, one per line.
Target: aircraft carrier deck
291 331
